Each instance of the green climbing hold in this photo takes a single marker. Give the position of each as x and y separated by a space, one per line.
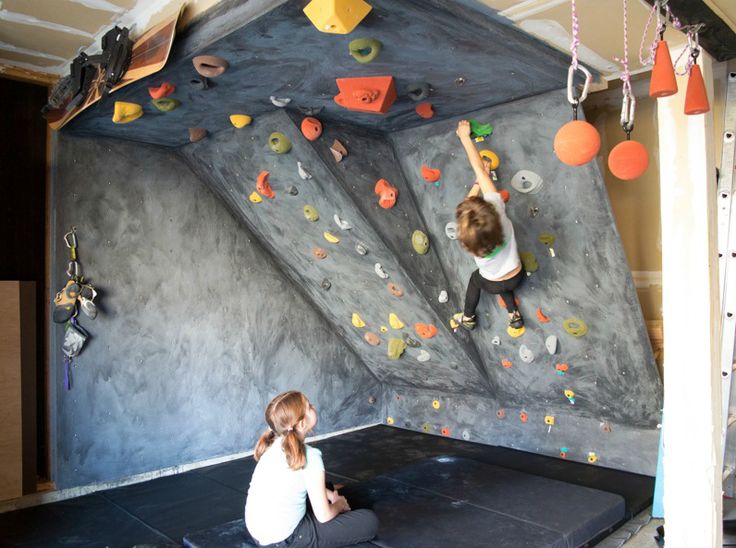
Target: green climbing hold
311 214
529 261
396 348
167 104
279 143
364 50
478 130
420 242
546 238
575 327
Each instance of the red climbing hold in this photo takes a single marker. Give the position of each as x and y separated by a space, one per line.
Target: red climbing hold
164 90
425 110
523 416
374 94
263 186
431 175
445 431
311 128
541 317
387 192
505 195
502 304
425 330
506 364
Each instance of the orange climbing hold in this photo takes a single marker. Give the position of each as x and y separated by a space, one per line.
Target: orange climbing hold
431 175
387 192
506 364
541 317
445 431
577 143
164 90
425 330
263 186
628 160
505 195
373 94
311 128
425 110
561 368
502 304
523 416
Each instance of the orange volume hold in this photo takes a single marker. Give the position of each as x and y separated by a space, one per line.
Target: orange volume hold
263 186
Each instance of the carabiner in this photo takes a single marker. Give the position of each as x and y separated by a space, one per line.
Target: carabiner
73 270
70 238
575 101
628 110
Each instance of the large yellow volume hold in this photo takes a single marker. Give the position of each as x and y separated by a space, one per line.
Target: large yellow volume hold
126 112
394 321
337 16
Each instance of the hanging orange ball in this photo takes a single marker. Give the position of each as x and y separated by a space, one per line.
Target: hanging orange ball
577 143
628 160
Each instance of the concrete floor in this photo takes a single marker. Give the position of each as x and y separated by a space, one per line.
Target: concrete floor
645 537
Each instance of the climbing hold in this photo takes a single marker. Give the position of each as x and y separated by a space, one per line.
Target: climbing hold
371 400
338 150
396 348
330 237
292 190
575 327
592 457
529 261
526 355
418 91
164 90
372 339
311 214
445 431
389 420
492 158
263 186
424 110
561 368
326 284
506 364
431 175
570 395
409 341
210 66
549 420
166 104
319 252
546 238
436 404
426 428
577 143
343 225
501 414
451 230
372 94
310 111
361 249
255 198
240 120
394 321
303 173
279 143
606 427
423 356
357 320
311 128
380 271
551 344
479 131
395 290
563 452
515 333
526 182
364 50
280 102
420 242
425 330
541 317
523 416
502 303
505 196
197 134
126 112
388 193
443 297
465 435
336 16
384 329
533 212
628 160
199 83
496 340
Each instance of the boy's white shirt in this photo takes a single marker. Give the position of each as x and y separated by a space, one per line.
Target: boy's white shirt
507 259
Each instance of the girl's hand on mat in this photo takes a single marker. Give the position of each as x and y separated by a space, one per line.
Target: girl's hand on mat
463 129
341 504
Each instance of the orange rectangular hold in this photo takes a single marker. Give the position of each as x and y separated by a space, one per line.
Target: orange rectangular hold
374 94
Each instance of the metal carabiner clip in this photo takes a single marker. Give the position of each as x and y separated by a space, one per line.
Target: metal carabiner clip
73 270
628 110
70 238
575 101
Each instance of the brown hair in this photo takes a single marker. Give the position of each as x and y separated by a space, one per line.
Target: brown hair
282 416
478 226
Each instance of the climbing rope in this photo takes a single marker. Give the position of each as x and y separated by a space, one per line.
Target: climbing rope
574 65
658 32
628 103
693 48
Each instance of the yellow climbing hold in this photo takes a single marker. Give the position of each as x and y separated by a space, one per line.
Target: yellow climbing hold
396 348
357 320
394 321
436 404
575 327
546 238
426 427
389 420
331 238
569 394
549 419
515 333
592 457
240 120
255 197
492 157
126 112
384 329
529 261
337 16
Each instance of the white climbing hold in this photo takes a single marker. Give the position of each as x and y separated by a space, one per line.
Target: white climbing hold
496 340
526 182
451 230
525 354
280 102
380 271
551 344
344 225
361 249
303 173
423 356
443 296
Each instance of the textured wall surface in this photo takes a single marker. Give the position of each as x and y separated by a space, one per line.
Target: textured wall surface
198 327
282 54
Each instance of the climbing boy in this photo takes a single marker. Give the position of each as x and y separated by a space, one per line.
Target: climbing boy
485 231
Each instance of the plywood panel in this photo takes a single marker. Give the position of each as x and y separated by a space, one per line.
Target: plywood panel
70 14
29 59
48 41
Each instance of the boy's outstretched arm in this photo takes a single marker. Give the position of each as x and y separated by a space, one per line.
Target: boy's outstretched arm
482 176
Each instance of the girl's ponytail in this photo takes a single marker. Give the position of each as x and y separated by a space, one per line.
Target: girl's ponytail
283 414
264 442
296 453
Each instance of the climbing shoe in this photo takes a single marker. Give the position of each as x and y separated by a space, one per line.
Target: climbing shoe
65 301
87 296
460 320
515 320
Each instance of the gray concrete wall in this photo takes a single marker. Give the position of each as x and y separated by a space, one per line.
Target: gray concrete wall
198 326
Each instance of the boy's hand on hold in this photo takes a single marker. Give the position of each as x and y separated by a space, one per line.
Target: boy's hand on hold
463 129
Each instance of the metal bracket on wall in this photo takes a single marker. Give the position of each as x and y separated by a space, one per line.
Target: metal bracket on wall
727 279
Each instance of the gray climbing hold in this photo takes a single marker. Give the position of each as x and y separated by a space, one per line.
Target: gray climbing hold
199 83
496 340
443 298
292 190
525 354
380 271
361 249
326 284
310 111
423 356
526 182
280 102
410 342
551 344
344 225
465 435
418 91
303 173
451 230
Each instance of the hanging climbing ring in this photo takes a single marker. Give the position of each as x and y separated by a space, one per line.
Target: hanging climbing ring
575 101
628 109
